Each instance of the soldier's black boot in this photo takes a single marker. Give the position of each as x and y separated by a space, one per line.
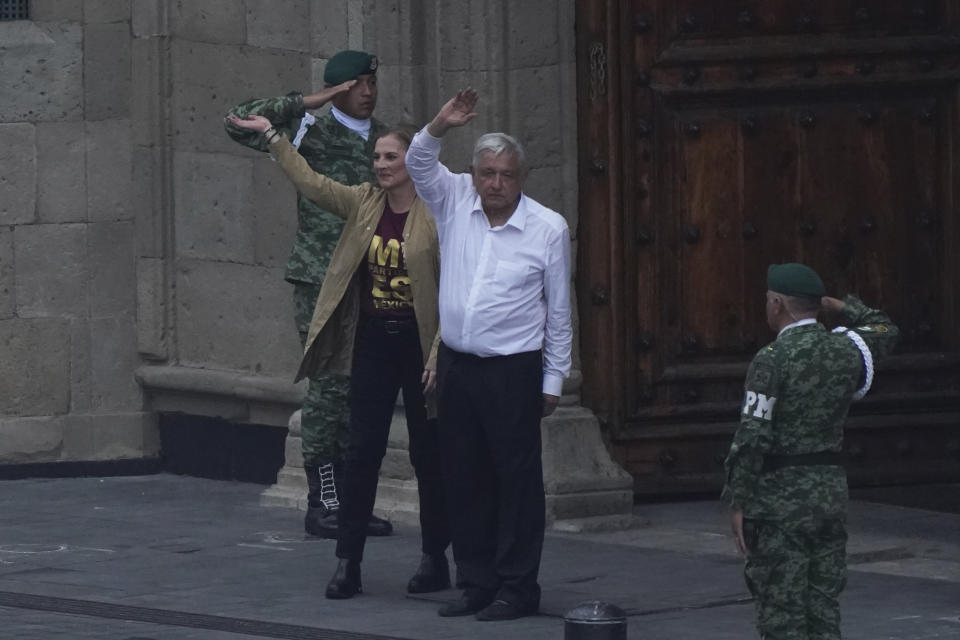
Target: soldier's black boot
432 575
345 582
378 526
322 503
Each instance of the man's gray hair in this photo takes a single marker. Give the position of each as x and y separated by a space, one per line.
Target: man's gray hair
802 304
497 143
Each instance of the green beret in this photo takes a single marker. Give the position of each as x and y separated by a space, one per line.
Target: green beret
795 279
347 65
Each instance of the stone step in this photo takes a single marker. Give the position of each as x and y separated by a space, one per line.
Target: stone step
585 489
397 501
580 478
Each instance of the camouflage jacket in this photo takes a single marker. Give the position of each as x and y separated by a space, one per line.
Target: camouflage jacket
329 148
798 391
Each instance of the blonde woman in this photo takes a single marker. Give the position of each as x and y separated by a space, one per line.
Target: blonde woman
376 319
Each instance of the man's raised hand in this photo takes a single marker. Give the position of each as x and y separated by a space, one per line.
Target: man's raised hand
457 112
832 305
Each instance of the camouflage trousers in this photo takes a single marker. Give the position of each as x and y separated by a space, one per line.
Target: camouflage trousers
796 571
325 412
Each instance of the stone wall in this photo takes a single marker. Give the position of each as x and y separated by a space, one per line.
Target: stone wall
67 238
142 251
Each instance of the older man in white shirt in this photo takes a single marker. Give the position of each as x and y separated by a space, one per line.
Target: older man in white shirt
506 341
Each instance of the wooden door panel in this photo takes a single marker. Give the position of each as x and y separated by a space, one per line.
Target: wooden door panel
848 189
721 136
693 19
707 208
771 152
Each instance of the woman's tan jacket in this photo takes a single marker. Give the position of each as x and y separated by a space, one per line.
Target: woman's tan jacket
333 327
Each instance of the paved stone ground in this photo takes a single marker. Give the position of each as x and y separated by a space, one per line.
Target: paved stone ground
171 557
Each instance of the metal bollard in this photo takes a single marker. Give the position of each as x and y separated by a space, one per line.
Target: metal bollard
595 620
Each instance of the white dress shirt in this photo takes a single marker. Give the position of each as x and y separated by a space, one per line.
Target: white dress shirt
503 290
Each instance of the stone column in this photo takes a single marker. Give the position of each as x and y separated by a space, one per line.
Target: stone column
152 156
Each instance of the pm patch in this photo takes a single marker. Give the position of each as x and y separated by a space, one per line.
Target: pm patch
760 405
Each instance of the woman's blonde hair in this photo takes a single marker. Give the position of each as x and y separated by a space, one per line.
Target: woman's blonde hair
402 132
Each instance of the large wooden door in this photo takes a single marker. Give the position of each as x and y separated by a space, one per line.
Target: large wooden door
719 136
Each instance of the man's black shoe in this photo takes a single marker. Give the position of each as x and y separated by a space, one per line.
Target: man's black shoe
469 603
379 527
321 522
432 575
503 610
345 582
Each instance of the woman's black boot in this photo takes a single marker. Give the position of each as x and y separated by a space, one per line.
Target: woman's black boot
345 582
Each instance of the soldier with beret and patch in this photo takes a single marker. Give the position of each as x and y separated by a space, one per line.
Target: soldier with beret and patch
785 478
338 144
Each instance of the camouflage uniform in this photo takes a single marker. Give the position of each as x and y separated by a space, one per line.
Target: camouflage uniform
779 473
342 155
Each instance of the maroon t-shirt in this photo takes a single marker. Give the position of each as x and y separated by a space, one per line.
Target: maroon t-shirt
385 284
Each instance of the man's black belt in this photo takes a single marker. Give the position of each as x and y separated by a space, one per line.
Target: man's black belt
462 355
773 462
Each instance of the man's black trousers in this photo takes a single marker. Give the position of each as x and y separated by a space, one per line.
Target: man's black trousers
387 359
490 410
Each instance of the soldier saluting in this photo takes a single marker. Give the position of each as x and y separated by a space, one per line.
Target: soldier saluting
785 480
339 144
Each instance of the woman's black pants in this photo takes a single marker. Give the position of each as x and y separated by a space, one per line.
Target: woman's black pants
387 359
